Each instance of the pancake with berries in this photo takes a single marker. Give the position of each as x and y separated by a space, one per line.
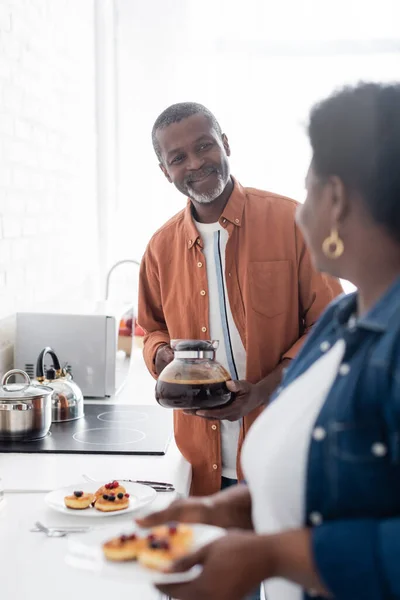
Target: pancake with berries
112 502
79 500
111 487
124 547
179 535
165 544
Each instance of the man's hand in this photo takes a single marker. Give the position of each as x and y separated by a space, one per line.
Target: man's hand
164 356
248 396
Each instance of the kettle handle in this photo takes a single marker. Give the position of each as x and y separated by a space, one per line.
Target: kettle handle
40 372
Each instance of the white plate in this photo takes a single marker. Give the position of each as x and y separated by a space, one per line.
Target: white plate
140 495
85 552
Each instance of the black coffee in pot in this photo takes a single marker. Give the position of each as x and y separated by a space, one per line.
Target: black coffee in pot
193 395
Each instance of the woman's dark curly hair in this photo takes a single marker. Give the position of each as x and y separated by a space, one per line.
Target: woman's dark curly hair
355 135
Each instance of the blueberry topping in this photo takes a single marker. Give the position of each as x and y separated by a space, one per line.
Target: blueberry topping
78 494
111 498
159 545
120 496
105 497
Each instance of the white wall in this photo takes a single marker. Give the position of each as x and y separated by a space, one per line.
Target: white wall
258 65
47 153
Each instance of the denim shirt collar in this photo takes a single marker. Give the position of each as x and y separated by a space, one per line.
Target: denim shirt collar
378 318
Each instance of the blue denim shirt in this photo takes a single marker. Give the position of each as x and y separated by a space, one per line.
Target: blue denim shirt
352 495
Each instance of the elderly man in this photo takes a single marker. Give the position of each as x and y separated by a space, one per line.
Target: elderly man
231 266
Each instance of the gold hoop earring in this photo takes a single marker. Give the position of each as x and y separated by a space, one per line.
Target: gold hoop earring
333 246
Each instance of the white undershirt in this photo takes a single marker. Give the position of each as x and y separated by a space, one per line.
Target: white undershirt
231 353
275 456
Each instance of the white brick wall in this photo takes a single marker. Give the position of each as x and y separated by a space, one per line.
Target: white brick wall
47 152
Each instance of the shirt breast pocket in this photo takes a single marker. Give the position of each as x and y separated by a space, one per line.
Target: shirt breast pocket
360 472
359 443
269 283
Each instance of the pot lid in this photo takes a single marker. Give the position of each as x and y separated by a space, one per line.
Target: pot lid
21 391
194 345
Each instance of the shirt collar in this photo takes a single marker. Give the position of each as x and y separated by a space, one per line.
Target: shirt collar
233 213
378 318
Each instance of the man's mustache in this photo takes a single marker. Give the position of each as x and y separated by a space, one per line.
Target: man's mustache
198 175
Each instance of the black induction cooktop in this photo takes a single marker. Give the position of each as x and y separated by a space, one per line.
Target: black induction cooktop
105 429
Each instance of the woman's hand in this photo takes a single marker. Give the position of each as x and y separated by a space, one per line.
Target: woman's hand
228 509
188 510
232 568
236 563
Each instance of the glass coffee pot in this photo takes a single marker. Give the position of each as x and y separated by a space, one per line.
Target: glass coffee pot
194 379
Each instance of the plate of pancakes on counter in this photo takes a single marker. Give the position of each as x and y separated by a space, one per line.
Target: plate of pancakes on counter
133 554
110 499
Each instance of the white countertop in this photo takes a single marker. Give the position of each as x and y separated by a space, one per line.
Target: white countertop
32 565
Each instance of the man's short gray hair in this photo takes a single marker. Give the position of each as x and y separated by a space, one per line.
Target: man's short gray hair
178 112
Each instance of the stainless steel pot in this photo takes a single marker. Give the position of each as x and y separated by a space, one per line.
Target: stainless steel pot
25 410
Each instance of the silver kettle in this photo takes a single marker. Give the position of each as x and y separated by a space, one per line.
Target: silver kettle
67 399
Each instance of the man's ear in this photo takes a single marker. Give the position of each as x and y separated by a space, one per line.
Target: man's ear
226 144
164 170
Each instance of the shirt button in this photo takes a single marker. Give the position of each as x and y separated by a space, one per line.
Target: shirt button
316 518
215 467
229 274
344 369
224 221
378 449
199 264
213 427
204 329
352 324
324 347
319 434
237 221
203 293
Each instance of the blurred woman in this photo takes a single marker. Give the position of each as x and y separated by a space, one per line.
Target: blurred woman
320 515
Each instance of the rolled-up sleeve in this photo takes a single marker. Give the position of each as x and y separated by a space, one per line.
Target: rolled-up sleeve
150 314
359 558
316 290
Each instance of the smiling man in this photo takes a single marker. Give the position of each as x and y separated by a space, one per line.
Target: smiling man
232 266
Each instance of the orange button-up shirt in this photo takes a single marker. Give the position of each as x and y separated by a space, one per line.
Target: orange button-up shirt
274 293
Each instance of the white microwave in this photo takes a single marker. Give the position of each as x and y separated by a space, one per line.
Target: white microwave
86 341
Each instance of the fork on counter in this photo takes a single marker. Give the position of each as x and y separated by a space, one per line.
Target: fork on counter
158 486
58 531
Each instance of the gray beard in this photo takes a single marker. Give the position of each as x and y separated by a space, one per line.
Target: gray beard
212 195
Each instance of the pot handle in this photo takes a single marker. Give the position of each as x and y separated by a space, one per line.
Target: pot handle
9 374
40 372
